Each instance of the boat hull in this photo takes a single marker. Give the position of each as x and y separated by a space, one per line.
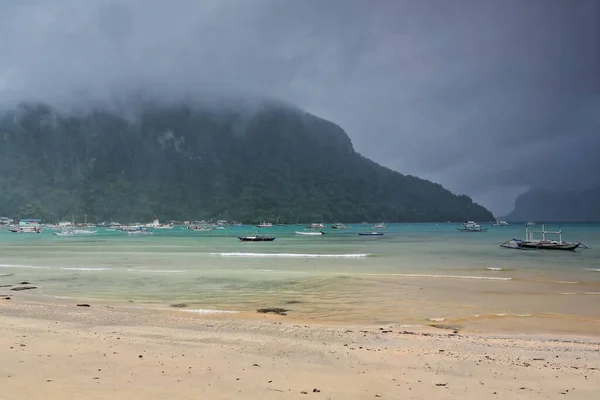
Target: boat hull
309 233
256 239
370 234
548 246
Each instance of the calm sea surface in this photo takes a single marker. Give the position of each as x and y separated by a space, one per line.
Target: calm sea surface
416 274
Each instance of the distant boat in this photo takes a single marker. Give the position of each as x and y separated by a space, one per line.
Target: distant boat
370 233
339 225
380 225
74 232
264 224
531 243
26 229
155 224
315 226
471 226
310 233
500 223
256 238
140 231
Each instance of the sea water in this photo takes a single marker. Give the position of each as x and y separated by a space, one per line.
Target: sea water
413 274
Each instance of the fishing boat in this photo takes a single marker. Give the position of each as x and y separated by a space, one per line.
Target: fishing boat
471 226
500 223
264 224
256 238
140 231
27 226
339 225
531 243
380 225
315 225
309 233
370 233
74 232
26 229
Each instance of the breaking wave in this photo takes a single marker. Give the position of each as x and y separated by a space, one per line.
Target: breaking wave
23 266
483 278
291 255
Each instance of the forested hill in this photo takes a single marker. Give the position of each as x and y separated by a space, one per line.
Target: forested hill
558 206
183 162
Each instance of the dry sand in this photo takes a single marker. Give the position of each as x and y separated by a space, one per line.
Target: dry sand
61 351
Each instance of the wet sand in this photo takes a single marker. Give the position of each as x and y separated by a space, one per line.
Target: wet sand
62 351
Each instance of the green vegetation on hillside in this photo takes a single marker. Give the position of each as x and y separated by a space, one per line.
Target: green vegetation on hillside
178 162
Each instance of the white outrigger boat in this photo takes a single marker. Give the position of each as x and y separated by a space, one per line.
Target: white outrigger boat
471 226
310 233
500 223
74 232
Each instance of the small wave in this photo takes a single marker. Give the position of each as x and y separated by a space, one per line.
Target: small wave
522 315
290 255
410 326
500 315
592 269
483 278
158 271
209 311
568 293
3 275
436 319
85 269
565 282
494 268
23 266
592 293
63 297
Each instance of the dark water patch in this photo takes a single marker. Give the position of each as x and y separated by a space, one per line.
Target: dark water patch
273 310
448 327
24 288
178 305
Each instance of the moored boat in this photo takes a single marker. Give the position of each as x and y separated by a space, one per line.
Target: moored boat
531 243
310 233
471 226
500 223
256 238
339 225
370 233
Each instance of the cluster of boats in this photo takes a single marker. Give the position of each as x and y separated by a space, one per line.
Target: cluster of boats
545 240
313 229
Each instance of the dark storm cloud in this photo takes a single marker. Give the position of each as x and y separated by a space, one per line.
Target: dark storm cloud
486 97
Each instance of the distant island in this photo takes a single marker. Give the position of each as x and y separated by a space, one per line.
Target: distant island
249 162
547 205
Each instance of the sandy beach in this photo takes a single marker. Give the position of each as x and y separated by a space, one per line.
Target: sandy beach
63 351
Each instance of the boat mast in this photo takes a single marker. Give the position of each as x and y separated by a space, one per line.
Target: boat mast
544 232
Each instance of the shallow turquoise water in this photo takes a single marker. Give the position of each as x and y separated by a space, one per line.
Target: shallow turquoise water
415 272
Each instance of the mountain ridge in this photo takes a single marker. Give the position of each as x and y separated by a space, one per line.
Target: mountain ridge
551 205
181 161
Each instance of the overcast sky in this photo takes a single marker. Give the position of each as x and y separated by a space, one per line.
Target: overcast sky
487 98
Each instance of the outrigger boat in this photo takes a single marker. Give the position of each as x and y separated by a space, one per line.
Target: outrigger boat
531 243
256 238
339 225
471 226
370 233
309 233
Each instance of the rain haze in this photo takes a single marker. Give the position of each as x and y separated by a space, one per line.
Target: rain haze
488 98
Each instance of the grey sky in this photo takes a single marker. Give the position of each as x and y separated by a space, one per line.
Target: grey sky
484 97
